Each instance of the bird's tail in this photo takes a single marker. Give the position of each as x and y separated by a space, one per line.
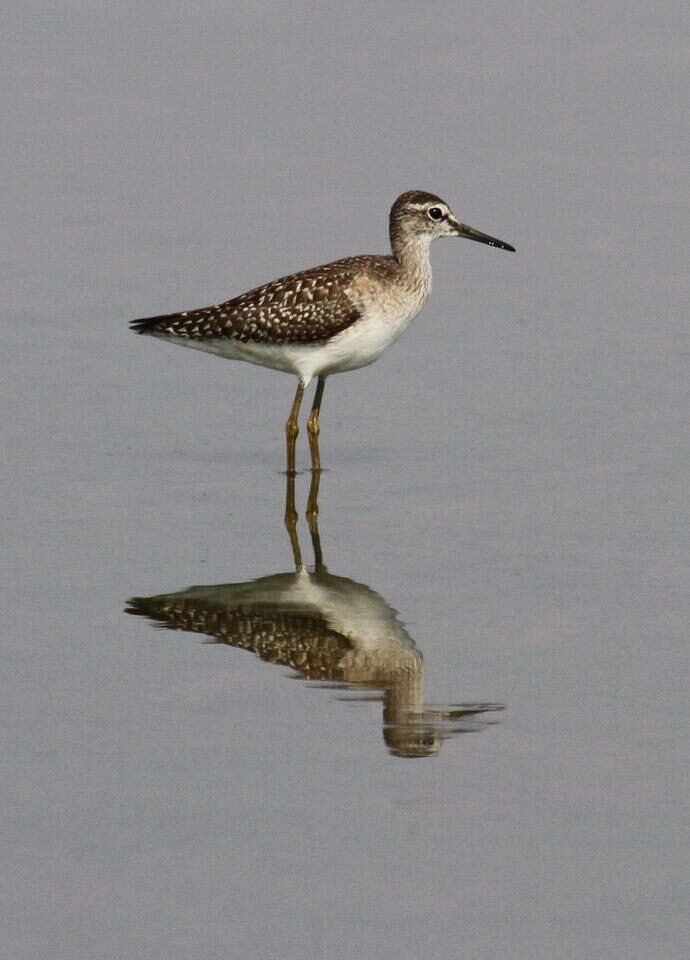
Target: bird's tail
152 324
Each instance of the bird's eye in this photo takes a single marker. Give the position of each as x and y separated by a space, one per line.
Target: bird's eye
435 213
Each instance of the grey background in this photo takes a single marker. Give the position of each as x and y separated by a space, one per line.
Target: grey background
512 477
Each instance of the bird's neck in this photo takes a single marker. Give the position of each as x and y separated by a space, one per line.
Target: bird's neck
412 254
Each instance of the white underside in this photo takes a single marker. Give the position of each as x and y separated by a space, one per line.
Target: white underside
357 346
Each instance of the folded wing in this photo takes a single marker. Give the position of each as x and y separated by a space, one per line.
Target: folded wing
301 308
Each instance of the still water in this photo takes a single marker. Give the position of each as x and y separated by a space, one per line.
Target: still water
448 715
170 787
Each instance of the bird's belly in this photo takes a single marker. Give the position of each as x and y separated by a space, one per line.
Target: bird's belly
363 342
283 356
357 346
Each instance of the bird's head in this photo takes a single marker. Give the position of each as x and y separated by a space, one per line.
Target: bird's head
417 214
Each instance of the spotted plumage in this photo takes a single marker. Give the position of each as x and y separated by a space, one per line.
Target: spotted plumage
300 308
300 640
328 319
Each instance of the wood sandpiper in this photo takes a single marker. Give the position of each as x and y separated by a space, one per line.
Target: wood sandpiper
333 318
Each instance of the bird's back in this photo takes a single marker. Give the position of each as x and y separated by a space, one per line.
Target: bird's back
306 307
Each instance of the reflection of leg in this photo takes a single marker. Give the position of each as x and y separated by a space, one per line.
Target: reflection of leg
292 428
291 519
313 425
313 518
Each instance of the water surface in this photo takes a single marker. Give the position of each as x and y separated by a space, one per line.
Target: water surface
505 509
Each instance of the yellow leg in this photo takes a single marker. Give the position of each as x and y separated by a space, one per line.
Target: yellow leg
291 520
292 429
313 428
313 502
313 520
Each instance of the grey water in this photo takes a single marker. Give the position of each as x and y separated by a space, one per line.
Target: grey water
456 723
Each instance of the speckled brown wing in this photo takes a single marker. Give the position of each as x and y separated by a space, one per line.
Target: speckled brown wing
304 307
301 641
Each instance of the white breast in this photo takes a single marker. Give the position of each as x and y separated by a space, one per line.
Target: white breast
386 314
363 342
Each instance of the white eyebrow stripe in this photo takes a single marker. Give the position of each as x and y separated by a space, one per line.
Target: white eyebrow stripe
429 205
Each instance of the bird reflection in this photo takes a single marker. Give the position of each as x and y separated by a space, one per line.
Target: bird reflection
332 631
